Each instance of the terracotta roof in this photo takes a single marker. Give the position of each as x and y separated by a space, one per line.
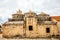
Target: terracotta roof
56 17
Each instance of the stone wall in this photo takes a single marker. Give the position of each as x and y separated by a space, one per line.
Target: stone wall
31 22
12 30
39 30
58 24
42 30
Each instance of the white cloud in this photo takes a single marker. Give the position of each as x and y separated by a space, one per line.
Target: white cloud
8 7
5 1
31 4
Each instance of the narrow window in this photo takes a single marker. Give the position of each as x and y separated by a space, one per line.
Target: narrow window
48 30
38 19
0 30
0 26
30 28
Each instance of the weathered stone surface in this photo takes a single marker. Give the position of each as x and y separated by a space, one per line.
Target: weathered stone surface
21 28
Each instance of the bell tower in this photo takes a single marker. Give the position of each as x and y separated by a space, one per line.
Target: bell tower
30 23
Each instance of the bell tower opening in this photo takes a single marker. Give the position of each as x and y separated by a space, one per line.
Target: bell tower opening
30 28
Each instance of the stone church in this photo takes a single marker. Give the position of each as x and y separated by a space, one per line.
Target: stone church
29 25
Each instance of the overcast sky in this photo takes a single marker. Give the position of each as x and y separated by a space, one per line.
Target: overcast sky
8 7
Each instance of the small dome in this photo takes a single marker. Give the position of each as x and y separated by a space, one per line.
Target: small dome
19 11
43 14
30 12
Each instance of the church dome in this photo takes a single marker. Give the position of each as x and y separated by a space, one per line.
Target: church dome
43 14
18 14
30 13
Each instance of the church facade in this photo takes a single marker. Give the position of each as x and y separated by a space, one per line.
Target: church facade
29 25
